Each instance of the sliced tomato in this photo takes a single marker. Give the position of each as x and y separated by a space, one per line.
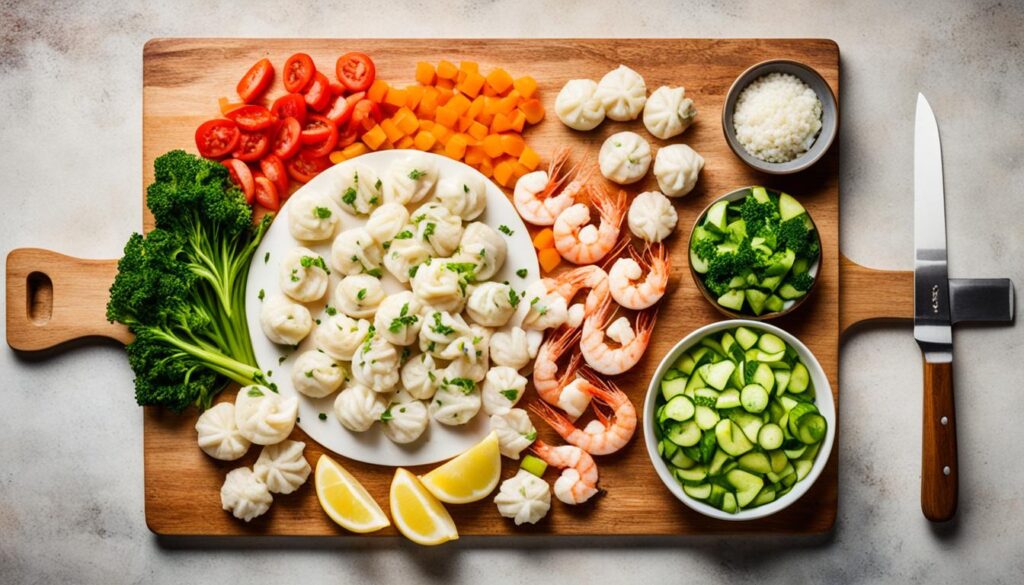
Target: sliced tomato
252 145
252 118
273 169
298 72
319 93
304 167
266 193
292 104
365 114
216 138
287 140
325 146
341 110
350 134
241 176
256 80
356 71
317 129
338 89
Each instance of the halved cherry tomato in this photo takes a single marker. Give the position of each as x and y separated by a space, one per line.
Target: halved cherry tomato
304 167
356 71
317 129
241 176
298 72
216 138
256 80
325 146
252 118
251 146
292 104
349 135
341 111
266 194
365 114
319 93
286 141
273 169
338 89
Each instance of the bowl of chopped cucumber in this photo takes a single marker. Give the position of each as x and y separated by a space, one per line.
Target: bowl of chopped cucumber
739 420
755 253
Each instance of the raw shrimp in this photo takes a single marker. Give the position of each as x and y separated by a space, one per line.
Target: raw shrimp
579 241
578 482
546 380
639 282
592 278
614 360
611 433
541 196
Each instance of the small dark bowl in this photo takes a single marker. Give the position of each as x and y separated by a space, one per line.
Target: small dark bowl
829 116
814 270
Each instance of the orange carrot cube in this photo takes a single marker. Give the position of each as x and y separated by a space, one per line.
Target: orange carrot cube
507 104
544 239
355 149
396 97
336 157
424 140
446 70
405 143
406 121
472 84
526 86
444 94
474 154
391 130
377 91
533 110
486 167
459 103
426 125
446 116
477 130
500 80
445 84
503 173
441 133
415 93
456 147
549 259
518 170
469 67
518 121
424 73
492 146
428 104
501 123
374 137
529 158
476 107
512 144
464 123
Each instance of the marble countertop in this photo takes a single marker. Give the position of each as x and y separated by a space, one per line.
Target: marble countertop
71 495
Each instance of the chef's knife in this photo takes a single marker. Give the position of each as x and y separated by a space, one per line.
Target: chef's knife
932 321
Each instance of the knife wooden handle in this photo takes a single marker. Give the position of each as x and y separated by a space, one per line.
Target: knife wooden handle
939 483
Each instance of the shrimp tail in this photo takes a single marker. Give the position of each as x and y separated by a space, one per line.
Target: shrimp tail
556 420
612 207
602 390
645 323
616 252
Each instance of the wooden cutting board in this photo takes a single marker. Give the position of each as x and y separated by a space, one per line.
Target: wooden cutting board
52 298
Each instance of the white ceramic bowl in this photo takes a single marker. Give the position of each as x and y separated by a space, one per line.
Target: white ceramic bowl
823 400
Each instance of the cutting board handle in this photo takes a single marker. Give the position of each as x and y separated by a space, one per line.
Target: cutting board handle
873 295
53 299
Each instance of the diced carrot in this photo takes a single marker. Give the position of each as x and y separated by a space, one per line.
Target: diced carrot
464 123
512 144
446 70
518 121
472 84
456 147
492 146
515 96
490 105
426 125
337 157
533 110
549 259
444 93
526 86
424 140
488 91
391 130
355 149
476 107
404 143
518 170
459 103
529 158
477 130
485 118
501 123
544 239
503 173
377 91
474 154
406 121
374 137
500 80
428 104
425 73
446 116
486 168
415 93
507 104
396 97
441 133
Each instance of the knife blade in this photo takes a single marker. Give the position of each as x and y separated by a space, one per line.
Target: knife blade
932 322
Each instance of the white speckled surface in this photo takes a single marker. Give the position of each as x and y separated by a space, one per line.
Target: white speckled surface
71 461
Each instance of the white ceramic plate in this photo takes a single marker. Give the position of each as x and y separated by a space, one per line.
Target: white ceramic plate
439 442
822 398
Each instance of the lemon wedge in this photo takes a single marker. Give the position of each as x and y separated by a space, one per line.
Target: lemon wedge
345 500
470 477
418 515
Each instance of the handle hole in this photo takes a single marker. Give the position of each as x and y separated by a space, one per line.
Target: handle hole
40 298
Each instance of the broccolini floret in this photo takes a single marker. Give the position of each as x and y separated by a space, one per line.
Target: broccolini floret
802 282
794 234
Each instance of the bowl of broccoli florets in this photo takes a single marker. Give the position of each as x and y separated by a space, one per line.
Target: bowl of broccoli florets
755 253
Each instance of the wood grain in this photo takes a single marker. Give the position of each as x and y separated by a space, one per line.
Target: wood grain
871 295
939 474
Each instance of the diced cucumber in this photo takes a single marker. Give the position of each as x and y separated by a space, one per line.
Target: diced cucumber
737 230
673 388
771 343
789 292
706 417
801 265
737 282
754 398
698 264
710 343
732 299
756 300
727 248
781 263
728 399
803 467
717 375
534 465
764 377
787 403
729 503
799 379
686 434
789 207
668 448
769 357
779 460
769 436
799 411
811 428
700 492
781 380
774 303
684 364
811 451
695 383
770 283
680 460
705 397
760 194
747 485
695 475
716 216
750 423
679 408
795 453
755 462
717 495
775 411
777 477
717 461
746 338
766 496
731 438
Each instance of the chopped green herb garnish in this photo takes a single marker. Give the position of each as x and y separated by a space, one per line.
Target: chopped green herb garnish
331 310
404 319
429 230
377 185
375 272
322 212
513 298
531 436
295 275
322 416
505 230
521 273
254 392
511 394
309 373
416 174
266 257
412 270
403 235
387 415
262 294
361 294
349 198
465 384
439 327
317 261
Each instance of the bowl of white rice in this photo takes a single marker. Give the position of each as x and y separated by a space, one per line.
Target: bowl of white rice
780 117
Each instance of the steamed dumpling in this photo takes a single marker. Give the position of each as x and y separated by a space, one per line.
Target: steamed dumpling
375 364
578 107
405 254
668 112
410 179
386 221
219 436
340 336
465 195
547 312
483 246
437 227
358 407
515 431
244 495
455 404
524 497
510 348
359 296
440 329
469 355
398 318
651 217
624 158
303 275
622 93
491 304
355 252
359 190
405 421
439 287
264 416
316 374
676 167
420 376
282 467
283 321
311 218
502 389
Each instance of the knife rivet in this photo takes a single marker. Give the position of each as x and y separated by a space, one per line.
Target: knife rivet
944 421
945 470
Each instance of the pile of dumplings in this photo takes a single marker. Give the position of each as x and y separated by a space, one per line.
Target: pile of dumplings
443 341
